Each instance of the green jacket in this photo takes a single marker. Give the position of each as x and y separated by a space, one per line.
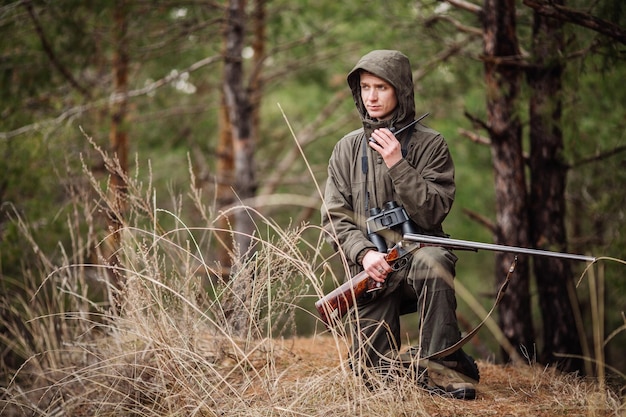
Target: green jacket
422 182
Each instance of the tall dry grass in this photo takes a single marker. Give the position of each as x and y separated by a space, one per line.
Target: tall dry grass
182 341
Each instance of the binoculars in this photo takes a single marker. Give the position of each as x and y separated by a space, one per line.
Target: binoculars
391 217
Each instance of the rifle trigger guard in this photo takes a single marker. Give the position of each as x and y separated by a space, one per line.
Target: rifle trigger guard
399 264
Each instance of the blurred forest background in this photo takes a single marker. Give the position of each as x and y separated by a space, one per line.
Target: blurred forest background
206 105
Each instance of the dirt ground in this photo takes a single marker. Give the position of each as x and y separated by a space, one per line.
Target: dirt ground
512 390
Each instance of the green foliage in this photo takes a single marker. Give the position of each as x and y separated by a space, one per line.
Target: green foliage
595 150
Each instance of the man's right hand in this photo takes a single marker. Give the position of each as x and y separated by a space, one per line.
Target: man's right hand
376 266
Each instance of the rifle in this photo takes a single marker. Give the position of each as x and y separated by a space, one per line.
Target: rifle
334 305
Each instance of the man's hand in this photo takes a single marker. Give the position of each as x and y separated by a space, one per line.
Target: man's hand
387 146
376 266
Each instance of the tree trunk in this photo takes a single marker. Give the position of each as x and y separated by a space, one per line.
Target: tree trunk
256 81
224 193
118 139
242 112
243 105
240 117
502 77
547 195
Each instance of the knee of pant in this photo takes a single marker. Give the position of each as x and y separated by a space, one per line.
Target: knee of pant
434 255
432 263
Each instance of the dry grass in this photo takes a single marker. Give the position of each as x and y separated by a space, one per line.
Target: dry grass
168 354
288 377
183 342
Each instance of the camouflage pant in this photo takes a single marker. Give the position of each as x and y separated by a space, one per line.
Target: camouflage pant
425 286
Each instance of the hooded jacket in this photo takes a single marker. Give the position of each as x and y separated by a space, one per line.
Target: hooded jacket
422 182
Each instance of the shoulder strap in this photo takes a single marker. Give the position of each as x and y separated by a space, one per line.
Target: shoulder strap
365 169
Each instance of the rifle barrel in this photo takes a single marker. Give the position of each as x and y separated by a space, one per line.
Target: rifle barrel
444 241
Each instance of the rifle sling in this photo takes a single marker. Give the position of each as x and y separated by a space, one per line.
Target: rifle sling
458 345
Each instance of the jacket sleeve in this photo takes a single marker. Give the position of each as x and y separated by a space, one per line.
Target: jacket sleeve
426 185
339 217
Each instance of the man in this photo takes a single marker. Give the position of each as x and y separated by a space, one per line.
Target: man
368 168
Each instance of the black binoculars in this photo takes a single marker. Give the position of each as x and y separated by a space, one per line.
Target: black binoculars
391 217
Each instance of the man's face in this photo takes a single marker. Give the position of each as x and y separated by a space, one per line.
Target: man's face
378 96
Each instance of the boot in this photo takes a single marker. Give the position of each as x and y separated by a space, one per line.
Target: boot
453 376
447 382
462 363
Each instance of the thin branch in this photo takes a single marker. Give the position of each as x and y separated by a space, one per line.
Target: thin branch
579 18
518 61
452 50
482 140
112 99
466 5
475 137
50 53
293 66
599 157
457 25
477 122
482 220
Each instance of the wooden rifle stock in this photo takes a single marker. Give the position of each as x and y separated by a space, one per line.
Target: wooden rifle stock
334 305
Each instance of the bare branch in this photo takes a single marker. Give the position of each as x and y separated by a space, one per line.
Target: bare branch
113 98
50 53
442 56
600 156
480 219
292 66
579 18
466 5
475 137
458 25
518 61
477 122
482 140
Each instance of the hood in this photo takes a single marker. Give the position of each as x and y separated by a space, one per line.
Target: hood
395 68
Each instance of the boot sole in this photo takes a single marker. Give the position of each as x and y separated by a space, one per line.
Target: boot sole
458 394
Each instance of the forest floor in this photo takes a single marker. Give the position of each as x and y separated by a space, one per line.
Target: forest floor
504 390
291 377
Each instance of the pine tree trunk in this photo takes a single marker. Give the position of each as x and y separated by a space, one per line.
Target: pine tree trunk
502 77
240 117
242 105
118 139
236 153
547 195
224 189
